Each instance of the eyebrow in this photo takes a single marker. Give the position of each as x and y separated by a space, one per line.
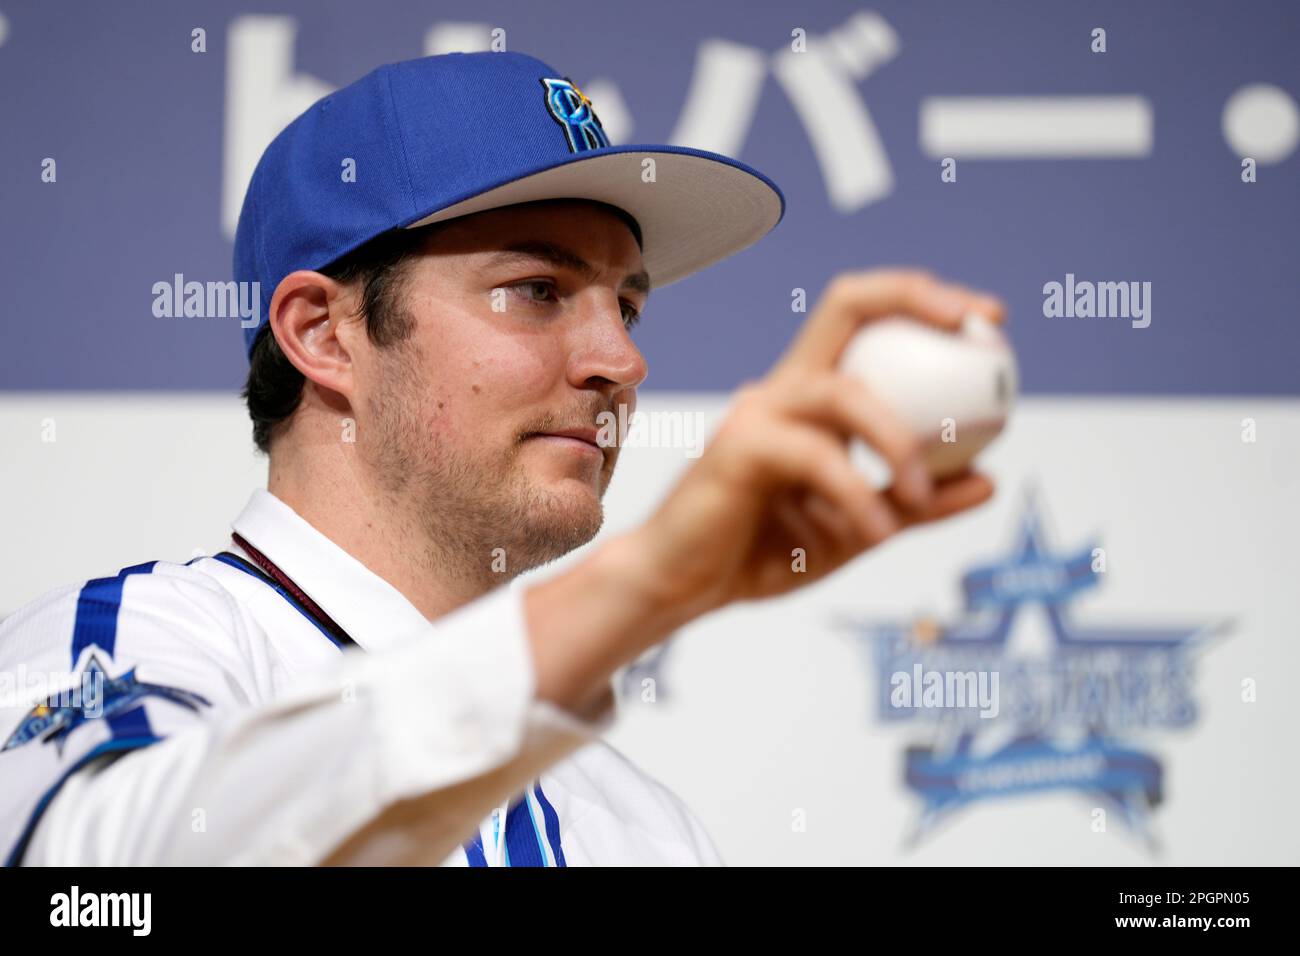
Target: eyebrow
563 257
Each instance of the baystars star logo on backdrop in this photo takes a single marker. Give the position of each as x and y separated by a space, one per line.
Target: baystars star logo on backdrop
1066 705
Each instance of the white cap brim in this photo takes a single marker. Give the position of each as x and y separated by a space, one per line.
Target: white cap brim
700 208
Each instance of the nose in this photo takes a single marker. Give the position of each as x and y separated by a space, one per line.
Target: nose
602 355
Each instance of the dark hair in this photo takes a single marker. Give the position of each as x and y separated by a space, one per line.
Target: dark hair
274 387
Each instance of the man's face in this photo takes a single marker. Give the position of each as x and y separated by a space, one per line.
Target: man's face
483 424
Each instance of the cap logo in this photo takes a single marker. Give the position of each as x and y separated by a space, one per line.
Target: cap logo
571 108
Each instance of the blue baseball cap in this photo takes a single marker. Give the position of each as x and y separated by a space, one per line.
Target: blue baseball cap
445 136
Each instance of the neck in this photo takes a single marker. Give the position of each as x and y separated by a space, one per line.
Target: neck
329 489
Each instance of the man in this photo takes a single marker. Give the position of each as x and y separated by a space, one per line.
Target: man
349 682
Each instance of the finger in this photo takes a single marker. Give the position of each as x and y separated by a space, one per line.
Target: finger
842 402
987 305
841 541
952 496
802 530
805 457
853 299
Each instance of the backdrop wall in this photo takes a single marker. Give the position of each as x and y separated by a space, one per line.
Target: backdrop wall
1145 708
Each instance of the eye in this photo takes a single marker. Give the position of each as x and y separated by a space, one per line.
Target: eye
530 288
630 315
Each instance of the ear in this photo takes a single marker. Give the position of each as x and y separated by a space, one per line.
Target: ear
309 318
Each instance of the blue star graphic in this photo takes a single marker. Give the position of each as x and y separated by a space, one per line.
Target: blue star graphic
97 696
1125 779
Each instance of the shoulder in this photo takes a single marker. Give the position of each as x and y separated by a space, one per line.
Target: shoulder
101 667
144 614
149 583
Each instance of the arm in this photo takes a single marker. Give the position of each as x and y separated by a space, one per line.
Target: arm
451 718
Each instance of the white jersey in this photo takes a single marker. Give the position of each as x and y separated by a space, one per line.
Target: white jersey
202 713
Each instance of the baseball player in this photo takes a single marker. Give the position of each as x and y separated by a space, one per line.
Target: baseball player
350 680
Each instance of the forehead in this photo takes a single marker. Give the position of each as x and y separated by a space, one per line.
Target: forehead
598 229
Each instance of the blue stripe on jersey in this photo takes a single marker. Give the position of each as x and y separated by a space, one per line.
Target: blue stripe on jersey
116 745
283 593
132 723
532 820
96 625
474 851
552 824
97 607
523 846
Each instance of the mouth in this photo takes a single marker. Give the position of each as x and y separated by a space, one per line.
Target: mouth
581 440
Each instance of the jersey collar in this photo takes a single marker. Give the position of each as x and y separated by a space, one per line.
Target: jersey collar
373 612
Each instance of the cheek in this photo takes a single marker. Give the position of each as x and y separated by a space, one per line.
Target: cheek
413 412
514 375
479 401
488 375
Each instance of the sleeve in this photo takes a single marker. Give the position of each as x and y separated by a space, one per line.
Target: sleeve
706 851
186 765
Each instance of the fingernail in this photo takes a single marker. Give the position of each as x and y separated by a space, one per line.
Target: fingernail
914 482
949 302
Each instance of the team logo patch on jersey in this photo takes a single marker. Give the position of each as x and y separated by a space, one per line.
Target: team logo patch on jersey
96 696
572 109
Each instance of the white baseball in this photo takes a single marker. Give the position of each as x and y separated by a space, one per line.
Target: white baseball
954 389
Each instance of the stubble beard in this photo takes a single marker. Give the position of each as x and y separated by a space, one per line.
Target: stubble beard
481 520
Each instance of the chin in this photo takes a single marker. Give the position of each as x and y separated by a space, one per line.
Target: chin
571 503
562 517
